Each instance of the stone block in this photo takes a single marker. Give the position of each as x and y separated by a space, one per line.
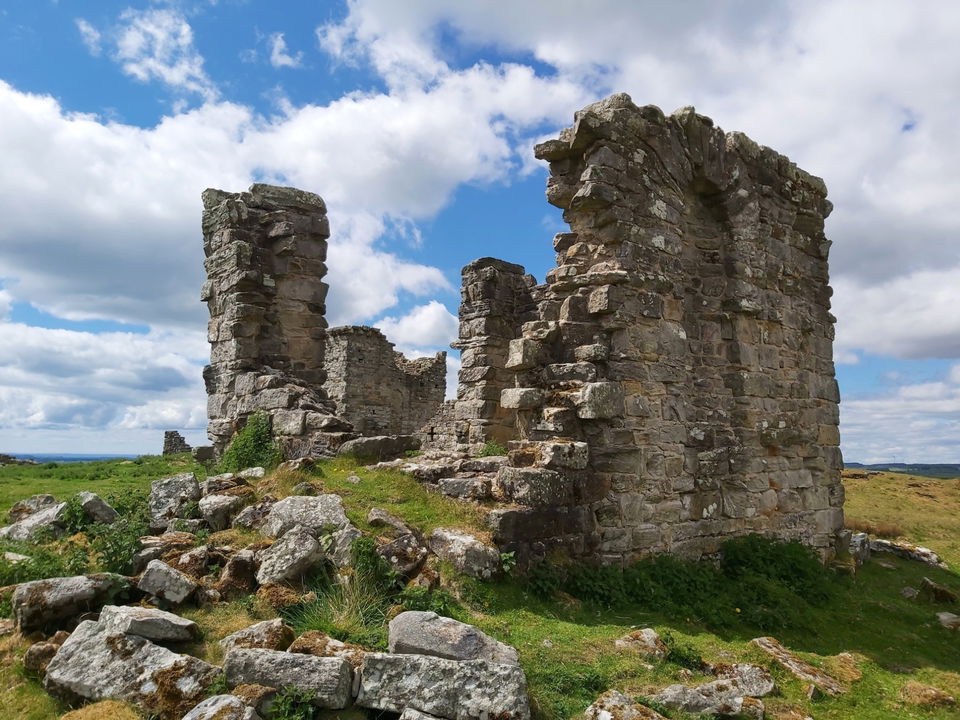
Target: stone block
600 400
521 398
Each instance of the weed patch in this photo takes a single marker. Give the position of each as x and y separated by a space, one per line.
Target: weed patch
252 446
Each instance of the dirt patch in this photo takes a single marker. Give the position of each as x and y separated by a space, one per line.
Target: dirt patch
106 709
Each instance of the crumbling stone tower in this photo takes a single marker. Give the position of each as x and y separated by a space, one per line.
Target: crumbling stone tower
675 385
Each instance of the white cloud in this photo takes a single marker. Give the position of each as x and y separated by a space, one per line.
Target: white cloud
279 57
6 300
157 44
89 35
430 325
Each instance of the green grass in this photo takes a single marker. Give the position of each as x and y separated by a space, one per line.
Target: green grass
110 477
566 645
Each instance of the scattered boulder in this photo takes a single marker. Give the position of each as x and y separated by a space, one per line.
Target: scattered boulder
379 447
218 510
28 506
860 548
217 483
268 635
259 697
149 623
329 679
46 520
314 642
378 517
949 620
222 707
457 690
937 593
96 508
405 554
797 667
98 664
166 583
289 557
253 473
724 696
411 714
169 498
253 516
340 551
465 552
426 633
908 551
15 558
646 642
39 655
909 593
614 705
238 576
305 488
316 513
751 680
39 603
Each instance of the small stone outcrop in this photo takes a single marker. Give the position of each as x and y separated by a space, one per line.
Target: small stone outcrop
465 552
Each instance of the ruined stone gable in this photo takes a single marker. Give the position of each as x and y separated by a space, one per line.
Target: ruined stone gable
674 385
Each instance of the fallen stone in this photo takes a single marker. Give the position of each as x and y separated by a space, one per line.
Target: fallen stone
166 583
38 656
329 679
314 642
40 603
411 714
452 689
860 548
751 680
305 488
935 592
289 557
425 633
15 558
797 667
377 517
316 513
253 473
222 707
96 508
28 506
238 576
379 447
253 516
169 498
217 483
614 705
718 697
259 697
170 541
405 554
97 664
646 642
909 593
218 510
465 552
908 551
47 520
949 620
340 551
149 623
268 635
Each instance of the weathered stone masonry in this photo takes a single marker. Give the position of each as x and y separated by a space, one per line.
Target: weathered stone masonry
675 385
670 385
266 251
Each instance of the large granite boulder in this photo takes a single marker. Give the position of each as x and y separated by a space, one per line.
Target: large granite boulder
169 498
96 663
425 633
149 623
328 679
55 601
468 690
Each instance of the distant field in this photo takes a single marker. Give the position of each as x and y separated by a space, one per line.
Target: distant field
104 478
941 470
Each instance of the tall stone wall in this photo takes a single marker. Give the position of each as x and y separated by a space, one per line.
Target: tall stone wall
377 389
677 385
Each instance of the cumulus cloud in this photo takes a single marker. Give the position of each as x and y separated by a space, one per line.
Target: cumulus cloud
279 55
157 44
6 300
913 422
64 380
89 35
430 325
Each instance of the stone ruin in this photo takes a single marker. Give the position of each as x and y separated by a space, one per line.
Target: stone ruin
174 443
670 385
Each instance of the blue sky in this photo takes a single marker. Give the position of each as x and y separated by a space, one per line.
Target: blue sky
415 121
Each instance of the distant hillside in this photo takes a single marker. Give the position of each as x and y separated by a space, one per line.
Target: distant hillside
933 470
